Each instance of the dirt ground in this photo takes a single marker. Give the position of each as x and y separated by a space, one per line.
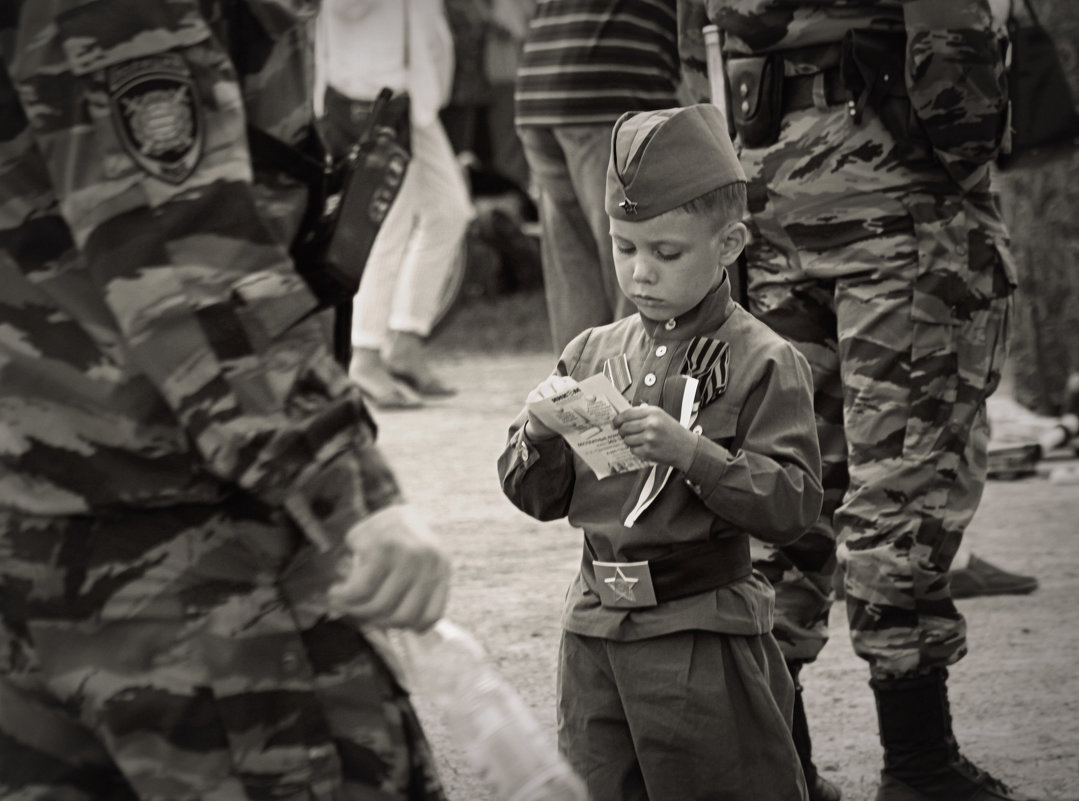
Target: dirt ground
1015 698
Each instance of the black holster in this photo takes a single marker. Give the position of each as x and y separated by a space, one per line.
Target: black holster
756 86
358 187
872 65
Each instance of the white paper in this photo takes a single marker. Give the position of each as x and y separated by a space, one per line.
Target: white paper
582 414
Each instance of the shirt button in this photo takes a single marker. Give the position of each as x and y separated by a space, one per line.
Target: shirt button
650 379
661 350
290 662
698 429
670 324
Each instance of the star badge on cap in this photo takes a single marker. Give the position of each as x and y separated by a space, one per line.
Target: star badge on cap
628 206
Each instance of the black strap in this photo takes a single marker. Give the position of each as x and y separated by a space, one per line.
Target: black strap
701 568
1030 10
269 152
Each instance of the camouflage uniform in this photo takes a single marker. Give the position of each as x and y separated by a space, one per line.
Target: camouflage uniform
893 278
180 456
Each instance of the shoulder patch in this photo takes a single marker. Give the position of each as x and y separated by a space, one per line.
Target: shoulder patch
157 114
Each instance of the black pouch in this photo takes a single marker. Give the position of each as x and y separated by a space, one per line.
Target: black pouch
348 199
373 170
1044 118
872 66
756 86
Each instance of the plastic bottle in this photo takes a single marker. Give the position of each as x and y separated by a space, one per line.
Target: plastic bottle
500 735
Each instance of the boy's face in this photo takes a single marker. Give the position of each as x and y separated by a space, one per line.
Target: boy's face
667 264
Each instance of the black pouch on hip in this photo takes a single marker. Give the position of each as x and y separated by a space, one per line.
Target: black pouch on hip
371 176
871 64
347 199
756 86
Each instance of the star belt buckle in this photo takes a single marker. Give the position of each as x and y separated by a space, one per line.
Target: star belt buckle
624 585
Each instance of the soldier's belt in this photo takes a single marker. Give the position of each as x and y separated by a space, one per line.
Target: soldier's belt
821 89
687 571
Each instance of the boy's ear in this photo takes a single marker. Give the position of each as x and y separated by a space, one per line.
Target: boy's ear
732 241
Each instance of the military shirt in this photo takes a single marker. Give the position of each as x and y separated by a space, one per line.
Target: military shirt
954 71
157 346
756 468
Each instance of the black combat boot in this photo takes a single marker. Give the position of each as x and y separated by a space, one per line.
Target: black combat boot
820 789
921 757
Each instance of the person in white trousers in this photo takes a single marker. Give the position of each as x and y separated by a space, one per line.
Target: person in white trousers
363 46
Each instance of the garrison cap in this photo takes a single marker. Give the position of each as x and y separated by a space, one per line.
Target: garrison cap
663 159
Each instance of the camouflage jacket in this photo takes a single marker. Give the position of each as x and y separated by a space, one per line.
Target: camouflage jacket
156 344
954 64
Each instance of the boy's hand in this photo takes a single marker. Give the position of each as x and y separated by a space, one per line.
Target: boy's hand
654 435
552 385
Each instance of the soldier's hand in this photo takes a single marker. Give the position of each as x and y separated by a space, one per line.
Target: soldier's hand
397 576
655 436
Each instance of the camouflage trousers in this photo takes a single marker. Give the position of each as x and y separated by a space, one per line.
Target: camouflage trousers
897 292
185 654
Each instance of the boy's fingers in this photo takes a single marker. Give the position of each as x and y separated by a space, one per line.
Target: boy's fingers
629 415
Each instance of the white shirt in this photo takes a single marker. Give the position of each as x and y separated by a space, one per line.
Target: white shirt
406 45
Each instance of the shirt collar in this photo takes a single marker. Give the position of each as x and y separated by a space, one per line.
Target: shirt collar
705 317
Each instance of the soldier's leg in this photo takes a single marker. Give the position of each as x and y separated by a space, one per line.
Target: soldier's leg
800 308
918 433
802 571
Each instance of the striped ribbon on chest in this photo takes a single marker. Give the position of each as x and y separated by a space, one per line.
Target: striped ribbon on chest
709 361
706 368
617 371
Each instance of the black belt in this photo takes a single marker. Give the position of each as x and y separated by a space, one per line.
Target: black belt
357 112
819 89
687 571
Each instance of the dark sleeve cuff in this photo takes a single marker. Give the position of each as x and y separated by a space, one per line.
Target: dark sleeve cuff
707 467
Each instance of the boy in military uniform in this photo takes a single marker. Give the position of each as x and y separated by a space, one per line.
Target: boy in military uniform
671 685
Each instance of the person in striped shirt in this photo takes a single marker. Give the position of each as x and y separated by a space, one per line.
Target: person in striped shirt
584 63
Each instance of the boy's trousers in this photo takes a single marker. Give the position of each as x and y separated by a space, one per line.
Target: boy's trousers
685 716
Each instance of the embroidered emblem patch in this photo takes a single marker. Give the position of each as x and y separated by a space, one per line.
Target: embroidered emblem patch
157 115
